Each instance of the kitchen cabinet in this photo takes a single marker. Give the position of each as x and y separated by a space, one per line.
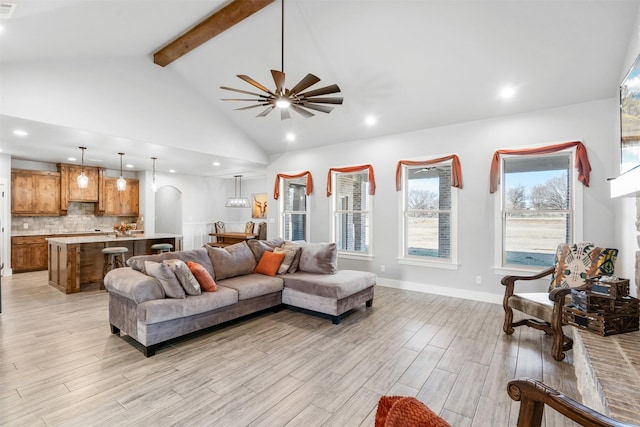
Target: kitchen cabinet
120 203
35 193
28 253
70 192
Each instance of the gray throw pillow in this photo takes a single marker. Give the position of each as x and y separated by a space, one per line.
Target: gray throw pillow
231 261
319 258
289 255
163 274
296 246
186 278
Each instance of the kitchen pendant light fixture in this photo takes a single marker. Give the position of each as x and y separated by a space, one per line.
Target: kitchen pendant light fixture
238 201
83 180
154 186
286 99
121 183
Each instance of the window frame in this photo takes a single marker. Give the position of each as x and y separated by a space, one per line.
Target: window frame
335 212
283 212
575 207
450 263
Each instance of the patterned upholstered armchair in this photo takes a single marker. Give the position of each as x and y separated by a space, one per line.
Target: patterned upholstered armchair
573 265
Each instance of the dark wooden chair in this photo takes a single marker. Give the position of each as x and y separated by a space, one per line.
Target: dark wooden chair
533 395
574 263
219 226
248 228
262 231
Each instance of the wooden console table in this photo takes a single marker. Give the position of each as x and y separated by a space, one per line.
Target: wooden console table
78 261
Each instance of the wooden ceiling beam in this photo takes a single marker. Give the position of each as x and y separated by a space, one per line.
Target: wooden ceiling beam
221 20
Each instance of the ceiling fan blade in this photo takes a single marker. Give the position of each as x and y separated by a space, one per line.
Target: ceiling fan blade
278 79
322 91
242 99
243 91
302 111
267 111
284 114
317 107
309 80
255 83
249 107
321 100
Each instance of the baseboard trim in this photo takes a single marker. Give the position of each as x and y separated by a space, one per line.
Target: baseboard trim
441 290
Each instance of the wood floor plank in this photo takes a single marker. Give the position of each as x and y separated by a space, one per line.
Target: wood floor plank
285 368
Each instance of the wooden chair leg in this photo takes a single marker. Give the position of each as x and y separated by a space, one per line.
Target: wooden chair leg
507 327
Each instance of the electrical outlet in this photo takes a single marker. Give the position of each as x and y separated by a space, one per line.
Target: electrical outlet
478 280
382 268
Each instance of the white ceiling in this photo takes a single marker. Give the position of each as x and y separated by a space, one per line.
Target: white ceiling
412 64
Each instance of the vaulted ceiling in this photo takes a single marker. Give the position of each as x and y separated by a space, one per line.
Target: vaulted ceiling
81 72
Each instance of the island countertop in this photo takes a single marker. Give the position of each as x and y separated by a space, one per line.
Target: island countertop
111 237
77 261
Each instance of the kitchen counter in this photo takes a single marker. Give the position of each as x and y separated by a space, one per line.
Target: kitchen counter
110 237
77 261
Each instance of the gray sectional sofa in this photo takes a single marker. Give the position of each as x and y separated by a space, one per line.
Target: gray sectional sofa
146 304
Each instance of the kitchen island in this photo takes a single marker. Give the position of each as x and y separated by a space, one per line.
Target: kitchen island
78 261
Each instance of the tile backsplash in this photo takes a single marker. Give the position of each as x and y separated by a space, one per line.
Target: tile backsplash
80 218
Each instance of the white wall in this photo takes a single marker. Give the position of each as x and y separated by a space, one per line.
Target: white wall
5 179
474 143
626 230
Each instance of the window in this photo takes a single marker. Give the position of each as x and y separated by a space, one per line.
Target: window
351 212
538 200
295 209
429 214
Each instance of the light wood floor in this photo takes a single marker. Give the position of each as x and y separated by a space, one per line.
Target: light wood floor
60 365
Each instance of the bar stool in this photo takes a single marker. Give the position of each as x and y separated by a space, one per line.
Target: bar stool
162 247
113 258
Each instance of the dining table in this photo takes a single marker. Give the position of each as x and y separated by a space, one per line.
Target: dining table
231 237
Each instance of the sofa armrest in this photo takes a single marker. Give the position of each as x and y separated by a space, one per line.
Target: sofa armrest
133 284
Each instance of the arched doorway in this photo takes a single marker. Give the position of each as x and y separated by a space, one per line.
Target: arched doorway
168 207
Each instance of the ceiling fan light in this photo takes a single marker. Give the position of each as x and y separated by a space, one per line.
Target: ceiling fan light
283 102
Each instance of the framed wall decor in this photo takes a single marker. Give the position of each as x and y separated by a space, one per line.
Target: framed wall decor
259 205
630 119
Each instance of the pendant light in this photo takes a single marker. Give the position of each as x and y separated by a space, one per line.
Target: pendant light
83 180
121 183
154 186
238 201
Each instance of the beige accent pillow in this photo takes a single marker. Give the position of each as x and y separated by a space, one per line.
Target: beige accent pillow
296 246
289 255
185 276
163 274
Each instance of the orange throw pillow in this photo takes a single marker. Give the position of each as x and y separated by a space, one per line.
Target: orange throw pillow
202 276
269 263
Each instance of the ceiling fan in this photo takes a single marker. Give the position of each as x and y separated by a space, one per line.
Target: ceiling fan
283 98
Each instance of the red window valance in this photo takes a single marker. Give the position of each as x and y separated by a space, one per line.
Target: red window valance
276 187
372 179
456 169
582 161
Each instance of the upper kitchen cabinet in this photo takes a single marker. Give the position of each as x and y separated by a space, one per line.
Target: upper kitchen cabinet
69 180
35 193
119 203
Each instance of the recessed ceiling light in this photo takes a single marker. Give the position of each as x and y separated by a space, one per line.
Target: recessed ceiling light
370 120
508 92
71 159
129 166
172 171
20 132
290 136
216 163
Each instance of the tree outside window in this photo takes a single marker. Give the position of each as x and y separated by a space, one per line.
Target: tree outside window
537 207
427 209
